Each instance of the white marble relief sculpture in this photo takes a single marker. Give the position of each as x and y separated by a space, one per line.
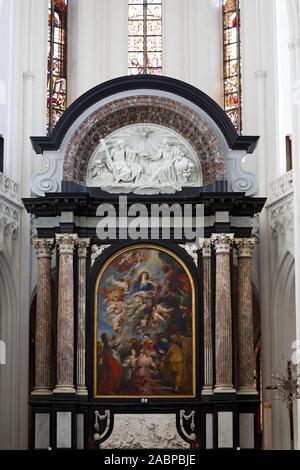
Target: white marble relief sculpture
144 159
145 431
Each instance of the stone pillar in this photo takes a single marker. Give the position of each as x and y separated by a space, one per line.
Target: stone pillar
83 244
65 315
43 385
223 326
207 321
245 247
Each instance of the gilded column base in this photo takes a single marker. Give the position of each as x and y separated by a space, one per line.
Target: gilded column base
64 389
41 391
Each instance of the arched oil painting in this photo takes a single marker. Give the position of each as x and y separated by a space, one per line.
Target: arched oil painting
144 326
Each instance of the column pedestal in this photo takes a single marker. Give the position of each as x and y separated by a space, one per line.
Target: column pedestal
207 388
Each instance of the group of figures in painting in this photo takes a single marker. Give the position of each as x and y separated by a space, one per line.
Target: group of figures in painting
168 166
144 326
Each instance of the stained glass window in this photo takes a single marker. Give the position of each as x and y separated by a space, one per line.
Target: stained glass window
57 61
232 62
145 37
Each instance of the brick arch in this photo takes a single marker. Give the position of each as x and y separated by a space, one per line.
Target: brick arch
144 109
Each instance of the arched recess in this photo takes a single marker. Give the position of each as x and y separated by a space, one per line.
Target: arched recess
283 318
9 371
118 259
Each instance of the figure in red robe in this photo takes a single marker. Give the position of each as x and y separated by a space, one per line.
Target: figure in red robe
111 371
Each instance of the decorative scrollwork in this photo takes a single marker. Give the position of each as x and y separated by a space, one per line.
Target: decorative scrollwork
281 187
184 418
10 210
98 435
47 180
192 251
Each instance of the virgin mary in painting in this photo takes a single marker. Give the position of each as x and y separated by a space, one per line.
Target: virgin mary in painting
144 326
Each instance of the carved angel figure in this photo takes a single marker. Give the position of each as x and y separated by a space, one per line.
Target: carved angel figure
121 162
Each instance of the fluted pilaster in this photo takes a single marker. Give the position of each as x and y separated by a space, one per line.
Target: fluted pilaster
83 244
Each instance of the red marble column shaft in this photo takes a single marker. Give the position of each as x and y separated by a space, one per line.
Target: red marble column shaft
43 382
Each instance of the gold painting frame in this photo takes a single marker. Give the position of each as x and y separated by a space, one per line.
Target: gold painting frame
193 323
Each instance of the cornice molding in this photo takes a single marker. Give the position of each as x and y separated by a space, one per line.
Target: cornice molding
84 204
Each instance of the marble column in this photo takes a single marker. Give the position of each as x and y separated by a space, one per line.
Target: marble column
65 314
43 383
207 320
83 244
223 314
245 248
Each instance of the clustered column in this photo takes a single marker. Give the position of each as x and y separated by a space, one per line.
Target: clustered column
65 314
223 325
245 248
83 244
207 313
43 385
223 244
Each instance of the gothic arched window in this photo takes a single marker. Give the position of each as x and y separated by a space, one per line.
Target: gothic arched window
232 62
57 61
145 37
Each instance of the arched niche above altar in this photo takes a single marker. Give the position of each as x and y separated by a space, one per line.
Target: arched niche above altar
144 159
191 134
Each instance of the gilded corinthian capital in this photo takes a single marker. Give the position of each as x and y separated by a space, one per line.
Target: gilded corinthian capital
43 247
83 244
66 242
205 247
222 242
245 247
